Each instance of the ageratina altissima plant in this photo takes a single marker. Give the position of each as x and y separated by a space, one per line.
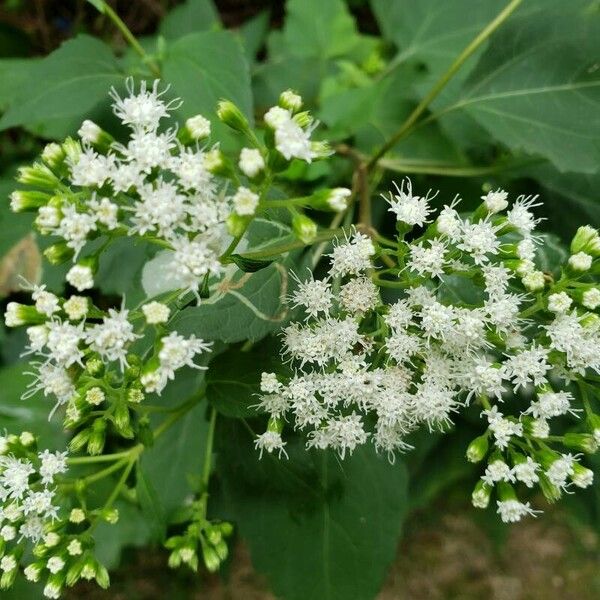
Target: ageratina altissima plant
473 321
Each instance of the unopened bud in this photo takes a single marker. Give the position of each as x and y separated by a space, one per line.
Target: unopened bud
304 228
232 116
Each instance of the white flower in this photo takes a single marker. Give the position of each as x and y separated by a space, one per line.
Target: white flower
412 210
314 295
55 564
269 383
105 212
14 477
112 337
161 208
80 277
251 162
8 563
63 342
496 471
76 307
45 302
143 110
560 470
198 126
511 511
245 201
270 441
8 533
580 261
359 295
75 227
526 249
495 201
448 223
91 169
48 218
52 463
559 303
74 548
95 396
479 240
156 313
399 315
52 591
427 261
177 351
192 171
352 257
520 217
343 434
591 298
276 117
551 404
527 472
293 142
193 259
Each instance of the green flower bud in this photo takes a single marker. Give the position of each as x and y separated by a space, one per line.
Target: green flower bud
237 224
550 491
110 515
232 116
102 576
221 550
303 119
79 440
53 155
304 228
584 442
59 253
211 558
478 449
480 498
586 240
334 200
28 200
38 175
582 476
97 437
226 528
92 134
72 149
320 150
122 419
290 100
22 314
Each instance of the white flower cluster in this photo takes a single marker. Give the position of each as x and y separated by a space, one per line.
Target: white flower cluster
27 489
371 371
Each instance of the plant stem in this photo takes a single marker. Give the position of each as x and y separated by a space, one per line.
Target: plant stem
131 39
209 448
406 127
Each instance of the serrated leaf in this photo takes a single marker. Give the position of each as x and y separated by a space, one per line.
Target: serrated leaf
318 528
537 86
319 29
66 85
190 17
206 67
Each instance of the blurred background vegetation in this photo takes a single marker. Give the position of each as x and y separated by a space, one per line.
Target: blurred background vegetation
447 550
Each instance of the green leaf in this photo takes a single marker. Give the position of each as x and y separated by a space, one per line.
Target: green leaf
204 68
190 17
253 33
66 85
249 265
317 527
433 32
18 415
14 73
176 457
14 226
233 378
537 88
99 5
319 29
150 504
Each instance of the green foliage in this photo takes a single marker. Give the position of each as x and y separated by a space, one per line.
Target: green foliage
190 17
320 529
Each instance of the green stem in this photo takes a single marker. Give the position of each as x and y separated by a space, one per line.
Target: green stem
209 448
131 39
443 81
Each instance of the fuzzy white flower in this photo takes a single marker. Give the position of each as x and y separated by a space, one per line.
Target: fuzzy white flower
245 201
410 209
156 313
251 162
80 277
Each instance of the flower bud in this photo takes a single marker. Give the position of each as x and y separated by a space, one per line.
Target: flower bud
320 150
33 571
580 262
584 442
211 558
54 585
586 240
478 449
237 224
72 149
110 515
303 119
276 116
214 162
550 491
335 200
534 281
232 116
196 128
122 420
81 276
480 498
91 133
28 200
38 175
591 298
221 549
79 440
22 314
559 303
53 155
495 201
97 437
582 476
77 516
290 100
304 228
